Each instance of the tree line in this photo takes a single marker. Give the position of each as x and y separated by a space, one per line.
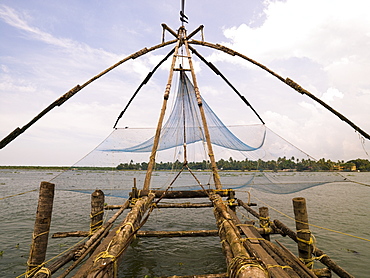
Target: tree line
281 164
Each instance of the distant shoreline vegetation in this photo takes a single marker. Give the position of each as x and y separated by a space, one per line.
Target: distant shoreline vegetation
281 164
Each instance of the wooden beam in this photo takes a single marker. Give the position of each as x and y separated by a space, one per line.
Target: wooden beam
199 233
42 227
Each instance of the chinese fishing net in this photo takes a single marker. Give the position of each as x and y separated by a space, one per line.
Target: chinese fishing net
247 156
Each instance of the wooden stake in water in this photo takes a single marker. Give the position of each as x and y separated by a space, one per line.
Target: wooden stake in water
305 245
42 226
97 210
265 222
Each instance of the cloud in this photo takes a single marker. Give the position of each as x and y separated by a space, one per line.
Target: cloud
334 34
330 94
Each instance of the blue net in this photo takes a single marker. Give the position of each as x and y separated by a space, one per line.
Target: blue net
184 125
248 156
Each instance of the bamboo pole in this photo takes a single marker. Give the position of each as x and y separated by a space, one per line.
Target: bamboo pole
42 226
242 264
221 275
199 233
287 81
71 234
253 244
60 262
97 210
272 250
105 227
151 163
175 194
297 262
172 205
216 176
94 240
151 233
248 208
305 245
323 258
18 131
105 264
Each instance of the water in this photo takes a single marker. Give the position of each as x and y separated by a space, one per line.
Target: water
338 206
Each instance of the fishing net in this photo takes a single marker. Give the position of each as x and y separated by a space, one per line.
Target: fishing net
258 157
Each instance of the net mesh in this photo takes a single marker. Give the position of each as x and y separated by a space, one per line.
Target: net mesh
184 125
259 158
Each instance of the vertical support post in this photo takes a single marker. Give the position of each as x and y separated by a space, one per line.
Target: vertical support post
303 231
134 194
97 210
216 176
265 222
157 135
42 226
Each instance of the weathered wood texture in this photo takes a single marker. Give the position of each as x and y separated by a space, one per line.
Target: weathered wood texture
97 210
170 205
252 243
265 222
221 275
94 240
173 194
324 258
105 264
71 234
42 226
297 263
305 245
58 263
199 233
242 264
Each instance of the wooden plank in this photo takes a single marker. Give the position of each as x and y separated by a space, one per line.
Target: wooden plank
254 239
199 233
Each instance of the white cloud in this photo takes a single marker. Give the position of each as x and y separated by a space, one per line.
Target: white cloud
330 94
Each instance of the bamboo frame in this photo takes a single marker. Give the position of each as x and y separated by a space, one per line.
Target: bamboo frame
287 81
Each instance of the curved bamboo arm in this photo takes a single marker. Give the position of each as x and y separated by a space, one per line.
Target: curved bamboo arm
18 131
287 81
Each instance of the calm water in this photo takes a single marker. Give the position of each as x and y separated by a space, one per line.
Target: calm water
339 206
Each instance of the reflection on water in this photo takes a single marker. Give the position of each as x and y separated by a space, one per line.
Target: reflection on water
339 206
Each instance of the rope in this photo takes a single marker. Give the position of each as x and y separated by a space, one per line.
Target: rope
316 226
240 263
41 234
18 194
281 266
45 270
251 238
53 258
96 214
106 255
265 223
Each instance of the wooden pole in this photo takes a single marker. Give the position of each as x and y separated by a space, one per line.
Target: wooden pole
106 263
265 222
216 176
60 262
175 194
41 229
305 246
249 209
97 210
151 163
324 258
192 233
242 264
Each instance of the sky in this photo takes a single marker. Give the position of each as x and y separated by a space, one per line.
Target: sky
48 47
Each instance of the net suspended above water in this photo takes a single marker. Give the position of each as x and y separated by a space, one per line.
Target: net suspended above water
184 125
